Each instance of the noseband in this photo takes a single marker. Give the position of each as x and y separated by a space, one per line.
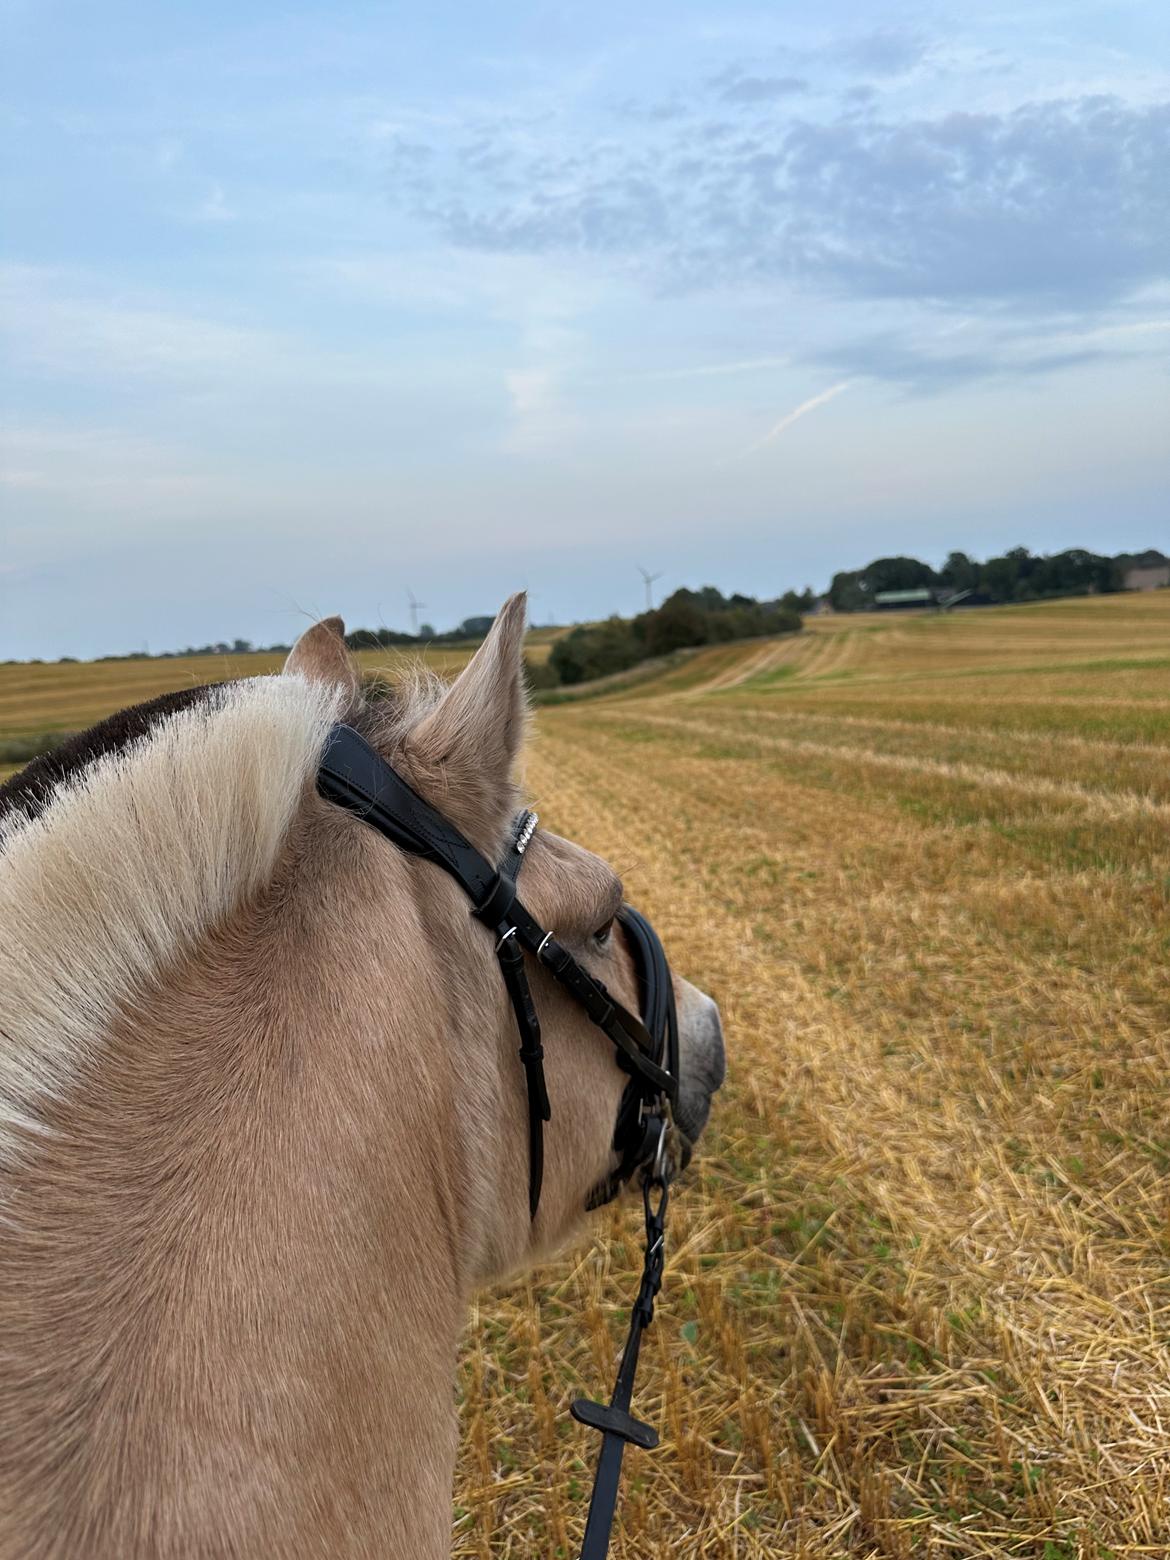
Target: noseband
354 776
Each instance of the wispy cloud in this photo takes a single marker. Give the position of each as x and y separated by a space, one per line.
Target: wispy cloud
739 86
796 414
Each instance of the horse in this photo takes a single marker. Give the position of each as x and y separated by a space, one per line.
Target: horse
263 1129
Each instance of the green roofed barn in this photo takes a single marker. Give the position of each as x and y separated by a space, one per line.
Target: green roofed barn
904 598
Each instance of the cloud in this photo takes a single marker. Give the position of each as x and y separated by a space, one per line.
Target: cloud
888 51
1053 204
981 348
53 321
736 86
796 414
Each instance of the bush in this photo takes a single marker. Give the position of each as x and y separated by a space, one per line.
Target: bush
678 624
540 674
596 650
685 620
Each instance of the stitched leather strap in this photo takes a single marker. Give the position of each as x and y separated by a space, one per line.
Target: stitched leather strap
354 776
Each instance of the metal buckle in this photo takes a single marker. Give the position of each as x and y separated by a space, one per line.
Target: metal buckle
511 932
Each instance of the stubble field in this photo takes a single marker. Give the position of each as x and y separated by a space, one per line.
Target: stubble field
918 1295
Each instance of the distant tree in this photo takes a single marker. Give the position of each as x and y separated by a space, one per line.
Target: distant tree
241 646
474 627
1001 578
897 574
959 572
426 631
377 638
679 622
847 592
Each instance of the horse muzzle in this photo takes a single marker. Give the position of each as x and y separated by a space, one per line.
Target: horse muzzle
702 1062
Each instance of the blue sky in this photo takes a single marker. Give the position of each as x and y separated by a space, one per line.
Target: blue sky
306 307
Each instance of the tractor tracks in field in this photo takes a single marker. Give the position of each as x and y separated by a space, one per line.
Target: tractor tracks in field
1103 804
799 657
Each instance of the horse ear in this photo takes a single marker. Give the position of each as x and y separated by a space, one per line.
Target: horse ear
320 654
461 754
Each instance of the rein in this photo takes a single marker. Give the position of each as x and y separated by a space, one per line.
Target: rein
354 776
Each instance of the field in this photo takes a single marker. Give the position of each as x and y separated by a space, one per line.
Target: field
917 1300
65 696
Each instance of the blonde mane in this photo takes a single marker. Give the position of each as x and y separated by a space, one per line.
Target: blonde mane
130 862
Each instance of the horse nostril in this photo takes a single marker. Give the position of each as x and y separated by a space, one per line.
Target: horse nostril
715 1052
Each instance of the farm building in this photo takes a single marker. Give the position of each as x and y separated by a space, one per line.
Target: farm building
901 599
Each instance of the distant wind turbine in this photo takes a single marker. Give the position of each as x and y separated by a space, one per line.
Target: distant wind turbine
649 579
416 607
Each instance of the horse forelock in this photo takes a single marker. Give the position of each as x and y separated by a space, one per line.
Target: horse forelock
121 850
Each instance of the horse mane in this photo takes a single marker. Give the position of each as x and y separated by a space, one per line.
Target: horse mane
121 849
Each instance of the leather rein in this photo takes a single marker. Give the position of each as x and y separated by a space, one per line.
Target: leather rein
354 776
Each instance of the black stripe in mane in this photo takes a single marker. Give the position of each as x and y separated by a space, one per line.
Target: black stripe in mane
31 789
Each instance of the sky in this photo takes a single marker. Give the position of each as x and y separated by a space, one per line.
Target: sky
308 307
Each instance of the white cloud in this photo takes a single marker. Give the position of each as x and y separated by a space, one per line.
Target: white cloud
796 414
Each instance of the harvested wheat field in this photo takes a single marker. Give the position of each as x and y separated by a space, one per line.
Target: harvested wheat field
38 696
918 1294
917 1300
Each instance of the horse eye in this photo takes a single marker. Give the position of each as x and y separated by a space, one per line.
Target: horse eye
601 935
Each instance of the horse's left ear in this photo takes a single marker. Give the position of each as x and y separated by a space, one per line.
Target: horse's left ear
461 755
321 655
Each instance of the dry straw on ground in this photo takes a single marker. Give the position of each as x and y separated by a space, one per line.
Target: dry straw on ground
917 1299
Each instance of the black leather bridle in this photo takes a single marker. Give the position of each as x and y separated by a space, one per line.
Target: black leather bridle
356 777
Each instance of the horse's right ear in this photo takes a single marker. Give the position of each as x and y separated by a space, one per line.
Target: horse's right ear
321 655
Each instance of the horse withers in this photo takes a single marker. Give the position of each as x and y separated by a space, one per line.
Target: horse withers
262 1124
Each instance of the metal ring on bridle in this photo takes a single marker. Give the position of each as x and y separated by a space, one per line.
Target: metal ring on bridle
511 932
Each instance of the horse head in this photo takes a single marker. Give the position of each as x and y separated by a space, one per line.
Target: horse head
263 1126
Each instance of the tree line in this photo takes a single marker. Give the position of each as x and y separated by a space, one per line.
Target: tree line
1019 575
690 618
685 620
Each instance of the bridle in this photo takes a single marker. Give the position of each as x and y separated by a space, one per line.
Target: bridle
353 775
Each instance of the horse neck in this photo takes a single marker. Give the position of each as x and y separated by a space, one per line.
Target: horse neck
232 1300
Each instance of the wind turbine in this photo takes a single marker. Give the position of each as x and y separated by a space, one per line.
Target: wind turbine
649 582
416 607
